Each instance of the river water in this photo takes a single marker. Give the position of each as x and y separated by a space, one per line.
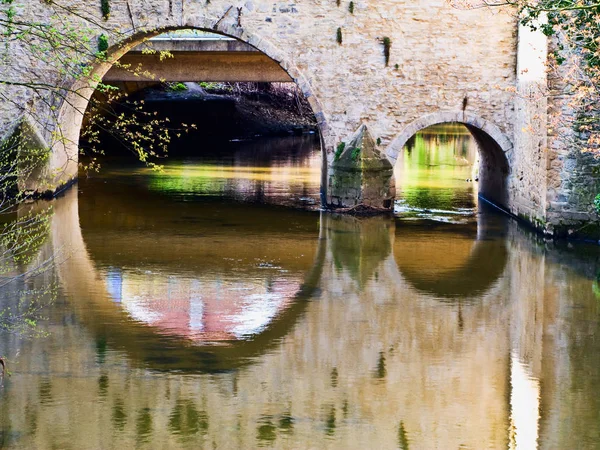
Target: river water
214 306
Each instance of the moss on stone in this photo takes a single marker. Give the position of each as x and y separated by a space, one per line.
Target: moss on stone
339 150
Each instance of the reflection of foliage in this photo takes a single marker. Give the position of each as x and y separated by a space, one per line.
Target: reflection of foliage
144 425
20 269
119 416
597 203
330 424
23 231
402 437
22 318
381 370
21 273
286 423
185 419
266 431
596 288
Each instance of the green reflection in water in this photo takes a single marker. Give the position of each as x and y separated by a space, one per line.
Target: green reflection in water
334 377
144 425
266 432
368 285
185 419
286 423
330 422
119 416
103 385
284 171
433 171
381 371
402 437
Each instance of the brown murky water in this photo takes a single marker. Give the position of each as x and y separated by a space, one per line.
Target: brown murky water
195 311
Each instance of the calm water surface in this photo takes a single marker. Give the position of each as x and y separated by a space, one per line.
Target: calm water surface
213 306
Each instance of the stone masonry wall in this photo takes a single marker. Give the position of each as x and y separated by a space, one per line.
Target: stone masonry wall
572 174
443 61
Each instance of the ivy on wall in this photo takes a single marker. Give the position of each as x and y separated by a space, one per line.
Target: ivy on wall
102 43
105 7
387 45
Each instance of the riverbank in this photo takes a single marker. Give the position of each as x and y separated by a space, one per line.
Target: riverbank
239 110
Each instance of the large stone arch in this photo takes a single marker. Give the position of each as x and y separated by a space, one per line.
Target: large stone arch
64 158
494 148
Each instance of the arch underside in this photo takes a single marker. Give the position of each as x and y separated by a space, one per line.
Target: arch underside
65 152
494 148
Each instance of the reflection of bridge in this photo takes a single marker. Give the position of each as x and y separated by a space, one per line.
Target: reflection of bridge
82 280
197 58
128 238
366 354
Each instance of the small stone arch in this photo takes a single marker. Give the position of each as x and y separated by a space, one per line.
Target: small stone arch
494 149
70 118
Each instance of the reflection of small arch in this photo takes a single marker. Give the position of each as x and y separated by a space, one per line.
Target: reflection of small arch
493 146
471 270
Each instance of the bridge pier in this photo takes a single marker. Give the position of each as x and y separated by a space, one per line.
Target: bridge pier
361 175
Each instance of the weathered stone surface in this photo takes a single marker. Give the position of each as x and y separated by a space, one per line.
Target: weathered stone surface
361 154
361 174
446 64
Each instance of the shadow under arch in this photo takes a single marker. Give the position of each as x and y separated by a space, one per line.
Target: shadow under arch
143 343
453 262
64 155
494 150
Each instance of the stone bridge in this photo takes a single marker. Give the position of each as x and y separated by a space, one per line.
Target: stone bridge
198 59
393 66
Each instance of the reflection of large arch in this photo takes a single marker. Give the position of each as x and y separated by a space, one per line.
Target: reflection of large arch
464 265
64 158
494 147
430 371
80 279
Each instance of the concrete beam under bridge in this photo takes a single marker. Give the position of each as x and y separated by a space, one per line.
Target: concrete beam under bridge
199 60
